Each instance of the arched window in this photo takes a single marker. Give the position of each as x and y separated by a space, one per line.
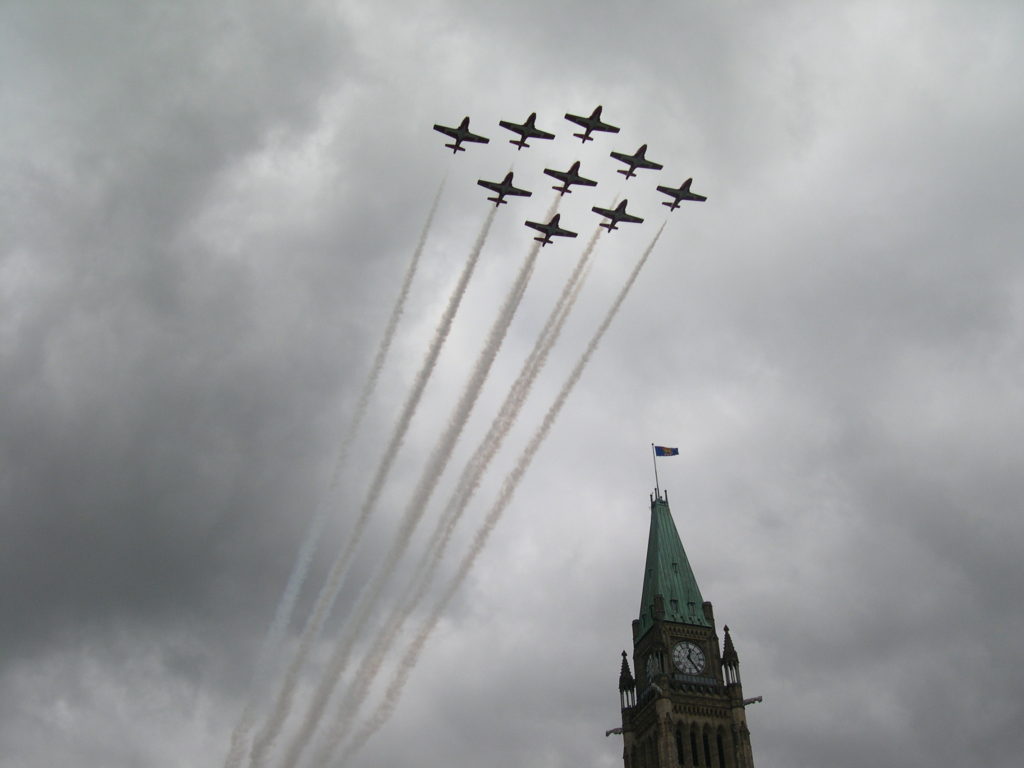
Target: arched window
680 756
721 748
707 748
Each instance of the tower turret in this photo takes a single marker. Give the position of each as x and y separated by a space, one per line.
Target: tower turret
730 660
627 685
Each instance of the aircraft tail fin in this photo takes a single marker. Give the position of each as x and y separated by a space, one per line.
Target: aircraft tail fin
585 137
455 148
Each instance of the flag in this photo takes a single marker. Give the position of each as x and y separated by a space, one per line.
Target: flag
661 450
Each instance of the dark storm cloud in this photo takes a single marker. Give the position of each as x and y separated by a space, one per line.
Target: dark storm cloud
205 213
133 363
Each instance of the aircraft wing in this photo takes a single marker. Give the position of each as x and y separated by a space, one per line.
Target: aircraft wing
459 135
527 130
591 123
680 194
618 216
691 196
551 229
503 188
570 177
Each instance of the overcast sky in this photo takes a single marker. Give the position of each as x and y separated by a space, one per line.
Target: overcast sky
206 212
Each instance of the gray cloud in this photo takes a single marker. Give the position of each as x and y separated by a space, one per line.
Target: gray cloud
205 216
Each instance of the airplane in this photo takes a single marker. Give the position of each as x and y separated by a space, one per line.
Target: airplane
678 195
572 176
502 188
460 135
617 216
551 229
592 123
526 131
635 161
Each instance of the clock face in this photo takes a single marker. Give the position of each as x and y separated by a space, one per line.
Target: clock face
653 667
688 658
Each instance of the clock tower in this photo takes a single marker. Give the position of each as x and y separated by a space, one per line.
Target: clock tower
685 707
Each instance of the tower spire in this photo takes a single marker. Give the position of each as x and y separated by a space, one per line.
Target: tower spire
670 589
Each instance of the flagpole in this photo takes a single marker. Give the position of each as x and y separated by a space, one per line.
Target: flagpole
654 458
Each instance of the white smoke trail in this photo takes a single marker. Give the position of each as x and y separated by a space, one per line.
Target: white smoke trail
427 567
508 488
480 459
264 741
300 571
417 505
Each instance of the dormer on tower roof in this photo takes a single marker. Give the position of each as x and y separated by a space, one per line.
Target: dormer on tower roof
670 590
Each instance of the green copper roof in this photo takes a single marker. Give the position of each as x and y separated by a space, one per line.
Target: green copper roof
668 574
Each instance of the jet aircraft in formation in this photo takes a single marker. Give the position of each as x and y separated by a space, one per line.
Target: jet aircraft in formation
527 130
568 178
551 229
617 215
503 188
678 195
634 161
460 134
592 123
